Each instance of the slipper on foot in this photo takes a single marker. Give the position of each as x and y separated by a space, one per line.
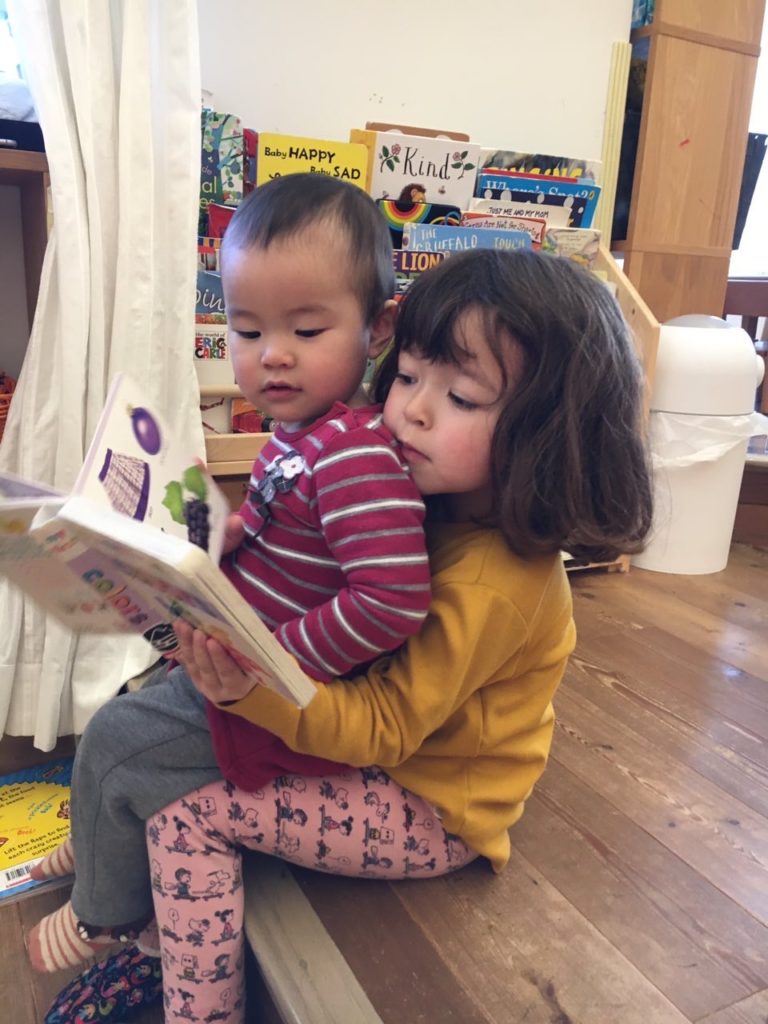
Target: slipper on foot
113 991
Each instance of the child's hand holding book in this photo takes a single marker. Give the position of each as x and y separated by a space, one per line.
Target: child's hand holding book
209 666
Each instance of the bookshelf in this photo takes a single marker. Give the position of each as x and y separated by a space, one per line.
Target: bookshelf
29 172
693 135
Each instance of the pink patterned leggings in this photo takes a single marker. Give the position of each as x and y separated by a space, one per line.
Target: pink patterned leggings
360 823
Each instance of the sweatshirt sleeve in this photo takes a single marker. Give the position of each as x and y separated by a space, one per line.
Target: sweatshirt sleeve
384 717
372 518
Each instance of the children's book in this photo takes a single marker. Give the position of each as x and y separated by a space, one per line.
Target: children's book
218 218
579 244
540 163
124 552
398 214
222 162
213 364
580 197
535 226
442 168
438 238
34 820
277 155
555 216
408 264
574 208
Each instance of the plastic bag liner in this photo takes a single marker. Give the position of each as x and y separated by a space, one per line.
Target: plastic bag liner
678 439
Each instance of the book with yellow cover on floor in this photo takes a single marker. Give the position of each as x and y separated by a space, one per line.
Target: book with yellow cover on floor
34 820
123 552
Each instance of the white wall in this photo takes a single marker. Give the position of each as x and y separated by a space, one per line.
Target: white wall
14 329
525 76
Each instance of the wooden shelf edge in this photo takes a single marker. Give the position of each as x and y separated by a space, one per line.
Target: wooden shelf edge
220 391
16 165
620 564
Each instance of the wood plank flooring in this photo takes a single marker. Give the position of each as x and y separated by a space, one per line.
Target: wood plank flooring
638 887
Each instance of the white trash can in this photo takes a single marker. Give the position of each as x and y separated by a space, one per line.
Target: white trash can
702 416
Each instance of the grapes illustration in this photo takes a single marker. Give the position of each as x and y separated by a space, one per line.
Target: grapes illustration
191 511
196 515
145 429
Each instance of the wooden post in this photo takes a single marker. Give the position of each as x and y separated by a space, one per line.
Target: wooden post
693 137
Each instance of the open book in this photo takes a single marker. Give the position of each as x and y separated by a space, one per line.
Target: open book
122 553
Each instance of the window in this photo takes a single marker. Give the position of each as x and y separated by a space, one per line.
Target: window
751 258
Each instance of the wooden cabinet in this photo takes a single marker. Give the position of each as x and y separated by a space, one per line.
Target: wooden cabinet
29 171
693 135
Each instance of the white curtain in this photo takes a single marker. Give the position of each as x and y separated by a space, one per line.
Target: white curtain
117 90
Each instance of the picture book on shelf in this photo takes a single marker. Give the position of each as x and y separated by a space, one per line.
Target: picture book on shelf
575 209
277 155
398 214
213 364
534 226
540 163
579 244
408 264
581 197
123 552
34 820
555 216
222 162
441 168
440 237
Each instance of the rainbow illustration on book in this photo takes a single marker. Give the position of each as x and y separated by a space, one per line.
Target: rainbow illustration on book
126 481
398 214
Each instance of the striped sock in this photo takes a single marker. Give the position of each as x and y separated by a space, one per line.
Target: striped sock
58 863
55 942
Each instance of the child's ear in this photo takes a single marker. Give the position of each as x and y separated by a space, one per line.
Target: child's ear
382 329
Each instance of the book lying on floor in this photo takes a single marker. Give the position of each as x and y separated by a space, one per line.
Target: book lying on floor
123 553
34 820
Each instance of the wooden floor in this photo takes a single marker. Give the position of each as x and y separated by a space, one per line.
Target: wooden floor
638 887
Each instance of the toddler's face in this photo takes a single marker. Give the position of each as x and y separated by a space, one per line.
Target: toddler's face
297 334
444 417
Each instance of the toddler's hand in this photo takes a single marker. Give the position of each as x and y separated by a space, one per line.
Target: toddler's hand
209 666
234 532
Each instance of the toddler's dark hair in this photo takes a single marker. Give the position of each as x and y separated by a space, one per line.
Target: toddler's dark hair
285 206
570 467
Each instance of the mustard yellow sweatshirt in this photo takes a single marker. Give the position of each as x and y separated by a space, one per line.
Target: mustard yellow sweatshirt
462 714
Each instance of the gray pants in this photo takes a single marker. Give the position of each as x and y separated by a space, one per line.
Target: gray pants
138 753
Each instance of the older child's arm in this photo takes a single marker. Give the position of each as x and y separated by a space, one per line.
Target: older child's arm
474 638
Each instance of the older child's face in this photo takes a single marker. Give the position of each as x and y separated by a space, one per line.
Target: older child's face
444 417
297 333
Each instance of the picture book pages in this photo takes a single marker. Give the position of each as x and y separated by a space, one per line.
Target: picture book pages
136 545
137 467
34 820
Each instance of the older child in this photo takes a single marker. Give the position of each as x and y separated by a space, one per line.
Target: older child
333 556
516 396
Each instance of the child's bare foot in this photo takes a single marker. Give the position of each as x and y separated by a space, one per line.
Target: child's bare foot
58 863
